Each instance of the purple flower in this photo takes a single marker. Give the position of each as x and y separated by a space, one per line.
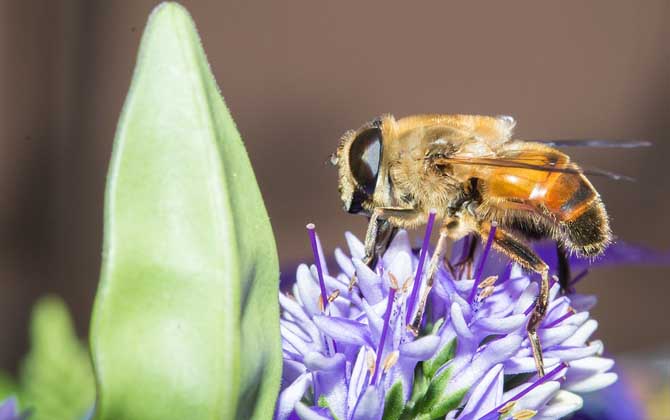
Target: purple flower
348 353
9 410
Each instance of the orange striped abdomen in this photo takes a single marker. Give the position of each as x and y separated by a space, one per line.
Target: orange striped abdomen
567 201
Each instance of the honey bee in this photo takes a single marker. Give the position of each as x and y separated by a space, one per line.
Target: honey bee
476 177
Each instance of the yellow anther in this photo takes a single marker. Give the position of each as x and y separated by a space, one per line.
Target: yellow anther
524 414
352 282
507 408
319 302
486 292
489 281
393 280
405 287
371 362
390 360
334 295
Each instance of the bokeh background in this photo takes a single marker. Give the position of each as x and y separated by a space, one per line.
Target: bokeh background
296 75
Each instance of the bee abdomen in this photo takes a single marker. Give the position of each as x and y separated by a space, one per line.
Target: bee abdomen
588 232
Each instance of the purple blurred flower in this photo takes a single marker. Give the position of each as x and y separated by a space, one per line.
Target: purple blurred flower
348 353
9 410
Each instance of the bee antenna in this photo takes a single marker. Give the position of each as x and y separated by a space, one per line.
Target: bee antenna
333 159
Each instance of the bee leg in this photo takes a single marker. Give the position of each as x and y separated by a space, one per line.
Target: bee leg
465 263
371 239
433 266
563 268
380 232
523 255
378 236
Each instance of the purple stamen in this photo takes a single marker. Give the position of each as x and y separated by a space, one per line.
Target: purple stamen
578 277
559 320
382 339
495 413
317 259
506 274
482 260
529 309
419 270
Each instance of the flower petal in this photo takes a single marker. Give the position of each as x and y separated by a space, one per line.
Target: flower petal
501 325
582 334
569 353
552 336
495 352
370 405
290 396
583 302
485 396
344 330
309 413
359 377
356 247
560 406
399 244
420 349
317 362
592 383
308 290
369 282
515 365
401 267
344 262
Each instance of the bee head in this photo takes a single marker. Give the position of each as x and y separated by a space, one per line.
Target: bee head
359 157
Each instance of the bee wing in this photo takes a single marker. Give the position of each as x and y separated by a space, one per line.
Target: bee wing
539 163
595 143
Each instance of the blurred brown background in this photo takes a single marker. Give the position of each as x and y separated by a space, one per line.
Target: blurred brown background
296 75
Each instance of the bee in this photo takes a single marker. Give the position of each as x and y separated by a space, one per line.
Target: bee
478 179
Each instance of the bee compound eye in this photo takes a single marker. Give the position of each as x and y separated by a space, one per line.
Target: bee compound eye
365 156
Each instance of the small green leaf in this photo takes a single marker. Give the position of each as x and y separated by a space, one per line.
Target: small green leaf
440 359
395 402
323 403
56 376
186 319
419 386
446 404
435 403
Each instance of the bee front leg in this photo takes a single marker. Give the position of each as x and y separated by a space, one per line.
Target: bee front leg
380 232
523 255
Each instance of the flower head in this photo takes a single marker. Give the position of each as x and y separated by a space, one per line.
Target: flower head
349 354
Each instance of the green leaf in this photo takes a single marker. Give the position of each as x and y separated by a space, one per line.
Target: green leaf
447 353
419 386
56 378
435 403
8 386
446 403
395 402
186 319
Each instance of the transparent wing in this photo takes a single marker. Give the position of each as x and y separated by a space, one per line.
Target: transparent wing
596 143
536 163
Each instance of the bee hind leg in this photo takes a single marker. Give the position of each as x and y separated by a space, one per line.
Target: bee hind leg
564 275
523 255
